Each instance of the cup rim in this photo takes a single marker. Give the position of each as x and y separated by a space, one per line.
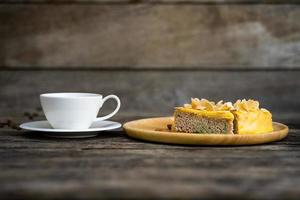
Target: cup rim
71 95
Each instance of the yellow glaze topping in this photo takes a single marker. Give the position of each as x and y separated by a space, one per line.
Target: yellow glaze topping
205 113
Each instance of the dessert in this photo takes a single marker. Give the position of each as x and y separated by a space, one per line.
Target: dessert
203 116
249 118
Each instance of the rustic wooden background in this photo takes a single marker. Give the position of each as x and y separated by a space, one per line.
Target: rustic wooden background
154 54
154 92
139 34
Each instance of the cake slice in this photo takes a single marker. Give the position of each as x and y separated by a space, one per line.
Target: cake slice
250 119
201 121
201 117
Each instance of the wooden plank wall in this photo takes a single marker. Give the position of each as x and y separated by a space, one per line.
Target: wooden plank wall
154 93
155 34
217 49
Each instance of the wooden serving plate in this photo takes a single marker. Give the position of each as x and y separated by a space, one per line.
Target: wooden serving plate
155 130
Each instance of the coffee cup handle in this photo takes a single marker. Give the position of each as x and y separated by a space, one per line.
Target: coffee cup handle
114 112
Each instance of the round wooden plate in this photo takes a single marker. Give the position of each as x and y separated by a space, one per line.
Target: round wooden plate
155 130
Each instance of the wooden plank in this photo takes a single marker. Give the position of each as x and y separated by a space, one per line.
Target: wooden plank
153 1
117 167
156 36
153 93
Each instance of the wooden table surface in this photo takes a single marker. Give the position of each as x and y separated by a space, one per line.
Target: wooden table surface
113 165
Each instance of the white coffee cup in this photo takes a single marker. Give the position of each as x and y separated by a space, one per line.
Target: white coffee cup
75 111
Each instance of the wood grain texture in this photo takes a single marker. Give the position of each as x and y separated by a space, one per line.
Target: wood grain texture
115 166
154 1
156 36
154 93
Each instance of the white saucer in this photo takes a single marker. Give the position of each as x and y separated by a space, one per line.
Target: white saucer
44 126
